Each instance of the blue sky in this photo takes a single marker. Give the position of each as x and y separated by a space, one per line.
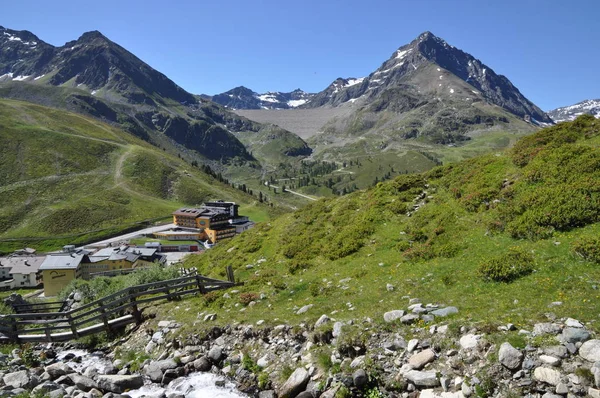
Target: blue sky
548 49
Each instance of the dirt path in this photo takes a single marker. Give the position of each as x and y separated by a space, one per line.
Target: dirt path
295 193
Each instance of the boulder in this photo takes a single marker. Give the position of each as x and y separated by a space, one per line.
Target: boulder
360 378
509 356
550 360
83 383
391 316
337 329
202 364
547 375
409 319
267 394
20 379
295 384
322 321
304 309
215 354
120 383
418 361
574 335
469 341
156 369
546 328
422 378
444 312
58 369
590 350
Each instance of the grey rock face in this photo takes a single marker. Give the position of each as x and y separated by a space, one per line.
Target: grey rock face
215 354
58 369
202 364
547 375
443 312
574 335
83 383
391 316
295 384
418 361
360 378
20 379
120 383
156 369
423 378
509 356
590 350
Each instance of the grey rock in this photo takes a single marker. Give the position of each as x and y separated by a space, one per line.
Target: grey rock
337 329
418 361
394 345
547 375
267 394
215 354
389 287
444 312
58 369
469 341
550 360
360 378
409 319
295 384
202 364
82 382
331 393
574 335
169 376
558 351
412 344
546 328
423 378
392 316
562 389
322 321
19 379
120 383
156 369
509 356
590 350
304 309
305 394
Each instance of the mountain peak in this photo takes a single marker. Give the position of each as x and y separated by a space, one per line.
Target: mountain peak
92 35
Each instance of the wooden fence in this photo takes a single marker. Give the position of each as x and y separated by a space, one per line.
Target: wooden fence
106 314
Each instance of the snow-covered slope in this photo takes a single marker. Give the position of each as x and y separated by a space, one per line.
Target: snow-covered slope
566 113
244 98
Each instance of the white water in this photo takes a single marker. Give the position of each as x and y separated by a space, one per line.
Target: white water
88 360
196 385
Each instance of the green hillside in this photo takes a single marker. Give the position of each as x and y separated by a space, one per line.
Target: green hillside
503 237
67 178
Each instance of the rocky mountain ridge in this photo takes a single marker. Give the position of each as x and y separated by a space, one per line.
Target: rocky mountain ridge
571 112
428 49
244 98
97 77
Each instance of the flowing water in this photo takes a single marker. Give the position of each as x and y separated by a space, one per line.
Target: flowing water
196 385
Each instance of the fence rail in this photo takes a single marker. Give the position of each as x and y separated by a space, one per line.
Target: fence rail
106 314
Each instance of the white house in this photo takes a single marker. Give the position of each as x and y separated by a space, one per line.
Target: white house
20 271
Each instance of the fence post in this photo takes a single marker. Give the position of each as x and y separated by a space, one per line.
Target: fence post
201 288
73 327
230 275
15 329
137 315
104 317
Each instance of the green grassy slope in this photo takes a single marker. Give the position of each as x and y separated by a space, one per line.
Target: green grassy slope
501 236
63 175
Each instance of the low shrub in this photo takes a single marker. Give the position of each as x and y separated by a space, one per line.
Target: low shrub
247 298
507 267
588 248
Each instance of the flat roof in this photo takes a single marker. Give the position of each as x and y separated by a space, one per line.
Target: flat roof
22 264
62 261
